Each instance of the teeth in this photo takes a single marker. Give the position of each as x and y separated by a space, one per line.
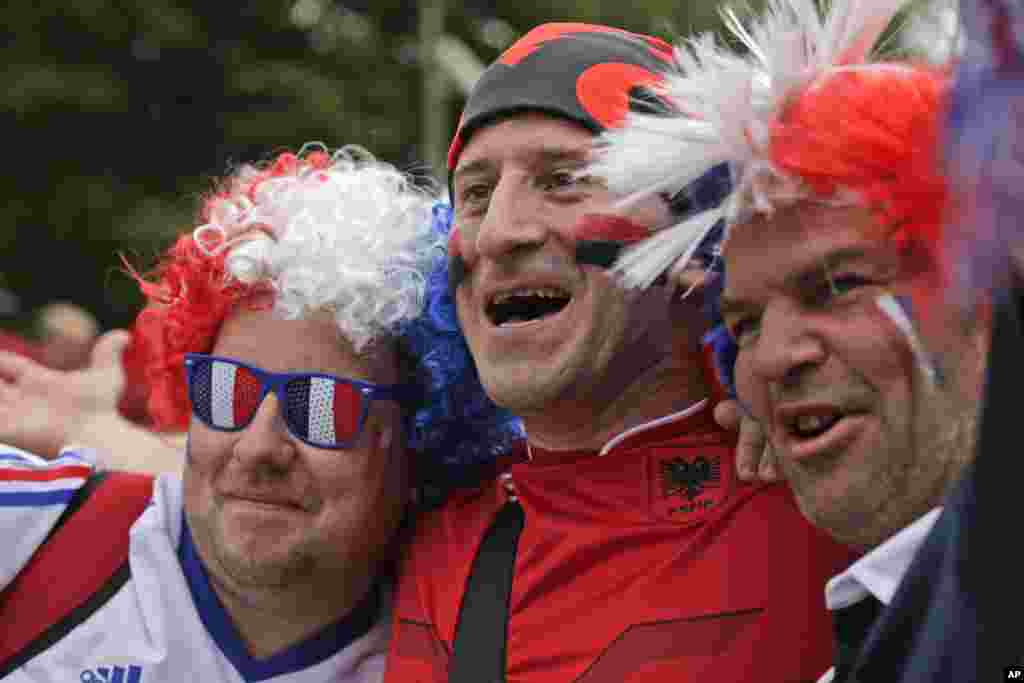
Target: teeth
814 423
547 293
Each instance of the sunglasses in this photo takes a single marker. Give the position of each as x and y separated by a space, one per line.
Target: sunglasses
321 410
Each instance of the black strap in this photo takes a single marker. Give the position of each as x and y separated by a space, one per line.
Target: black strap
134 504
46 639
73 619
851 625
77 499
478 651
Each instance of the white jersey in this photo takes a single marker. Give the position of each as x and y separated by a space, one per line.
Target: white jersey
165 625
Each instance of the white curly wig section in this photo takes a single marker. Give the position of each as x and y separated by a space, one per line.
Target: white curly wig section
353 238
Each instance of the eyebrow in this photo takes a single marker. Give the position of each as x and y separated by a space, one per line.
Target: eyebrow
474 167
543 156
808 275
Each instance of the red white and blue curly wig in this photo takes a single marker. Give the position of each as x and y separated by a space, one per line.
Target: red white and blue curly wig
317 232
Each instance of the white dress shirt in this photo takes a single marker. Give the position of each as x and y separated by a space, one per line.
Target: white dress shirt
880 572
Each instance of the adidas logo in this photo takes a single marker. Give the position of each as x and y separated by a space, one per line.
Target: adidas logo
112 674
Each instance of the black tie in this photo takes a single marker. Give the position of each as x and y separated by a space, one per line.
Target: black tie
478 651
851 625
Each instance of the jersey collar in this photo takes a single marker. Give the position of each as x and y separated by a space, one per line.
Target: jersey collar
314 650
654 431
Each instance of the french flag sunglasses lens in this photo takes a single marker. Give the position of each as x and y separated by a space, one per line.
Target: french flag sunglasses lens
319 410
224 395
323 411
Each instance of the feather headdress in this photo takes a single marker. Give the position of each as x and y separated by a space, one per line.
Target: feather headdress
744 109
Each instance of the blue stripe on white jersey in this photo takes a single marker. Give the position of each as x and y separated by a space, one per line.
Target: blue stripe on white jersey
35 498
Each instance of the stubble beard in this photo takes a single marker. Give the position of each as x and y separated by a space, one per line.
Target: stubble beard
271 570
881 505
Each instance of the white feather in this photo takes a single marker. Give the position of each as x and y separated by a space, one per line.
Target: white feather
935 33
642 263
727 103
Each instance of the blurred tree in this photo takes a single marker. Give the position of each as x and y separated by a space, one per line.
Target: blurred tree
119 113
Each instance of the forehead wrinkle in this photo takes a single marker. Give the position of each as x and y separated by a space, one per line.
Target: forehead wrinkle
530 153
553 155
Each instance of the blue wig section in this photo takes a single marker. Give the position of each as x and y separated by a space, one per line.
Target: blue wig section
723 352
456 425
705 193
984 136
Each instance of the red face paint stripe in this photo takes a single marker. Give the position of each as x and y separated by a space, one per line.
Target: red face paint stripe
454 242
609 228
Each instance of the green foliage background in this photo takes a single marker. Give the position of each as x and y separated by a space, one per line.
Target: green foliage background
118 115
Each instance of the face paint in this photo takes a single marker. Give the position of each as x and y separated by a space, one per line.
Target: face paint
598 253
899 311
602 237
456 273
456 264
602 227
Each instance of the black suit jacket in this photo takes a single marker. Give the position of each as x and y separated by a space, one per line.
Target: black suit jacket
957 616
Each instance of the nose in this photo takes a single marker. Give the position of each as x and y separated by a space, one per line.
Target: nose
787 347
515 220
265 442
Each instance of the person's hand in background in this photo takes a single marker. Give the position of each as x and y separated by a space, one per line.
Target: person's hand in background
754 457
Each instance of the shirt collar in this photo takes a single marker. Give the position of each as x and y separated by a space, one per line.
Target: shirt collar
317 648
637 433
880 572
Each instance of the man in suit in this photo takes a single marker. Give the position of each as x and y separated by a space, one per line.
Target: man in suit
832 234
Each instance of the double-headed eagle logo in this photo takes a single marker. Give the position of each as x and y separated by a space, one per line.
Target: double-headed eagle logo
689 478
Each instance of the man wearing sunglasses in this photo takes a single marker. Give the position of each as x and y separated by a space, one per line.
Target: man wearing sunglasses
273 334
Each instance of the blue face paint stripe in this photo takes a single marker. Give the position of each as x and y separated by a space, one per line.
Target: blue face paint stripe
201 394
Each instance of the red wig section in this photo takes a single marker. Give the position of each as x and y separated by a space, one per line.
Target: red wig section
875 132
188 296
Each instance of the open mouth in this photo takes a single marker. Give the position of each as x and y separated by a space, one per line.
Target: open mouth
526 305
813 425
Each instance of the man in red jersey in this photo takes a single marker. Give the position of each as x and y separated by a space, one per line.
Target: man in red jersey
619 545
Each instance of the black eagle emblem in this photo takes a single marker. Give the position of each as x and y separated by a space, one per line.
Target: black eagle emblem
689 478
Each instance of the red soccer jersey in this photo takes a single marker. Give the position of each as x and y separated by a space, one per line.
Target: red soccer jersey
650 562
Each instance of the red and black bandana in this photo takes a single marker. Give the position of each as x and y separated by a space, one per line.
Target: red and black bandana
587 73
